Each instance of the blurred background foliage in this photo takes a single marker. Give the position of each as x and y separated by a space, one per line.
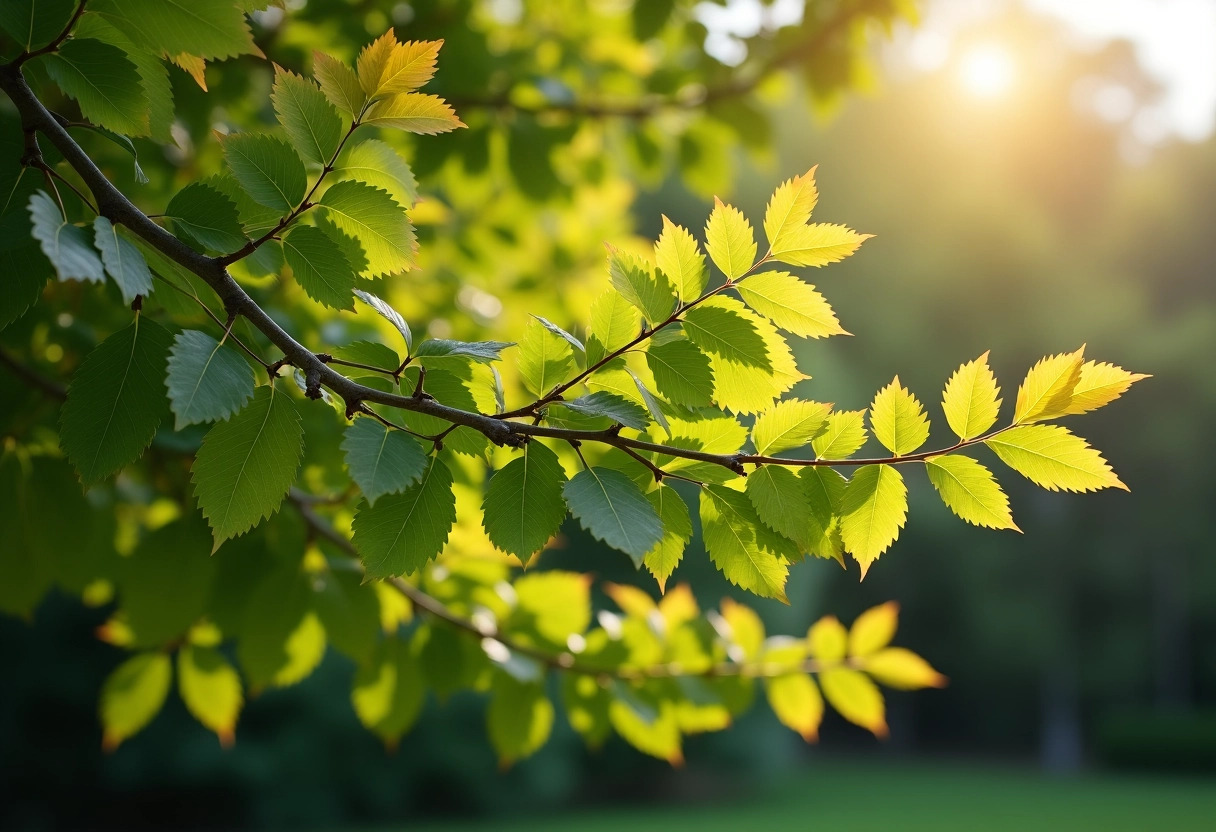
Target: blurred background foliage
1023 202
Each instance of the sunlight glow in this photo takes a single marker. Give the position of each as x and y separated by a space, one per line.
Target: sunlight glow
986 70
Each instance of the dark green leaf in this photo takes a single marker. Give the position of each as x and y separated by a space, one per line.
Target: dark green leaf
320 266
104 82
403 532
614 510
268 169
207 381
381 460
523 506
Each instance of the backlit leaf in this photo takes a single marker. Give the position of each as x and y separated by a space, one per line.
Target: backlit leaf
729 525
523 506
797 703
312 124
824 489
780 499
403 532
414 112
856 698
373 218
680 260
545 359
519 718
1051 456
729 240
790 424
681 372
898 419
873 629
873 510
818 245
1047 390
614 323
827 640
608 505
790 209
843 436
381 460
339 83
207 381
970 400
320 267
902 669
639 284
970 491
211 689
268 169
388 693
132 695
791 304
677 531
1099 385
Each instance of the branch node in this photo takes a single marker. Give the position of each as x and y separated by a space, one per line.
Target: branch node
312 383
736 465
273 369
137 305
324 357
353 406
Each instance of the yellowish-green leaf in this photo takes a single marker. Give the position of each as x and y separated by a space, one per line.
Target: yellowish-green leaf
680 259
639 284
873 510
339 83
790 209
970 400
614 323
828 640
211 689
790 424
1047 390
791 304
797 703
730 241
408 67
746 629
898 419
824 490
132 695
545 359
1099 385
818 244
1051 456
388 692
677 531
519 719
843 436
873 629
970 491
414 112
731 530
856 698
898 668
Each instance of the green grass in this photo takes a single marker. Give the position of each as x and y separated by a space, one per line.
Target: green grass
854 797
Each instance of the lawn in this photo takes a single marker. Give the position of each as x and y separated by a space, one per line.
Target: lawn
857 797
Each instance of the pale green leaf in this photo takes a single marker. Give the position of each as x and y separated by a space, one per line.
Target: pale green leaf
312 124
1052 457
970 491
730 241
791 304
1099 385
680 260
790 424
970 400
614 323
545 359
379 165
132 695
389 314
211 689
388 693
115 400
207 381
681 372
553 605
639 284
603 403
374 218
122 260
523 507
268 169
104 82
645 721
824 490
246 464
677 532
67 246
781 501
320 266
843 436
873 510
731 528
1047 389
722 328
381 460
339 83
818 244
614 510
898 419
519 718
440 352
578 345
403 532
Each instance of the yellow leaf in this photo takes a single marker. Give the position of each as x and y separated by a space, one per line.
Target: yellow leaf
730 241
1047 389
194 66
211 689
818 244
680 259
790 207
873 629
678 606
796 701
896 667
631 599
372 61
970 491
828 639
1100 384
409 66
746 628
789 424
856 698
414 112
898 419
1051 456
791 304
970 400
873 510
132 695
844 435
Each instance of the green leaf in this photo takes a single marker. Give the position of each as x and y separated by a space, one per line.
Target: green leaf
639 284
653 406
681 372
844 435
824 491
791 304
1052 457
970 491
268 169
730 241
561 333
898 419
388 68
377 164
165 583
132 695
355 614
426 115
781 501
207 381
122 261
677 532
389 692
320 266
720 328
603 403
434 351
1047 390
209 29
381 460
35 23
970 399
614 510
790 424
797 703
339 83
405 531
154 76
873 510
282 640
731 529
519 718
374 218
67 246
312 124
648 723
790 209
211 689
545 360
447 388
553 605
115 401
818 245
614 323
246 464
523 506
389 314
104 82
208 216
680 260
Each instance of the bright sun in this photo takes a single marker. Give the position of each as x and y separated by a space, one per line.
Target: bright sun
986 70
